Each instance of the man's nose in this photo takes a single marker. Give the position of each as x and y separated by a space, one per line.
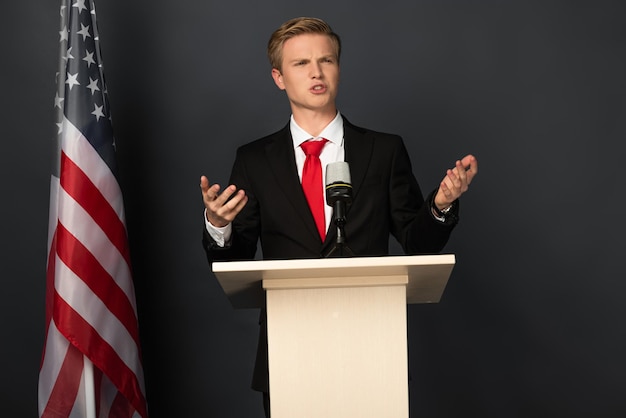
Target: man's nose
316 71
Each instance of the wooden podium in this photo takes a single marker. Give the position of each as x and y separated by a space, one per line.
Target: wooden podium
337 334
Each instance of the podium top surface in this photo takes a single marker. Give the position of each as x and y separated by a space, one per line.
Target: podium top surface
427 274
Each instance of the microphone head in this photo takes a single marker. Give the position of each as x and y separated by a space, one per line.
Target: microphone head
338 183
338 172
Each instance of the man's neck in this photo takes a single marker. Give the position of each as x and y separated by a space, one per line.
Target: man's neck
313 122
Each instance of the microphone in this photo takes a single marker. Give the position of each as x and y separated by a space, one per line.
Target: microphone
339 196
338 188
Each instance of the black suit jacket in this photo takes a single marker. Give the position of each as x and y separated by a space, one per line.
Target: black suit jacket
386 200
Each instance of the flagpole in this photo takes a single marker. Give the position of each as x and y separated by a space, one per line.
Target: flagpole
90 388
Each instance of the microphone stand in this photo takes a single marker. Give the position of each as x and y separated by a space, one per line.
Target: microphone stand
340 249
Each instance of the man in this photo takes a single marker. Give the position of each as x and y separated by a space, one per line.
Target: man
265 199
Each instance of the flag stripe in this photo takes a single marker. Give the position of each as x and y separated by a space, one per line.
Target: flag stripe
98 376
78 148
119 408
81 225
54 353
108 392
72 291
86 338
79 186
63 395
49 293
83 264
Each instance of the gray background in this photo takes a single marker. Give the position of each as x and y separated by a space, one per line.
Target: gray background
532 321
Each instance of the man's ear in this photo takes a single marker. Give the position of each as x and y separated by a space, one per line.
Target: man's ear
278 78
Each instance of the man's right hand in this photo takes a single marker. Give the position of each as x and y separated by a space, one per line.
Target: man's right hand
220 211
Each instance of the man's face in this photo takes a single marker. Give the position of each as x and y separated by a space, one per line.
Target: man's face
310 73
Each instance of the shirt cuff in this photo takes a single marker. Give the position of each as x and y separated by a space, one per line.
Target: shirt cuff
221 235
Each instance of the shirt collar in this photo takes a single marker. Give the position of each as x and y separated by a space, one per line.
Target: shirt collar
332 132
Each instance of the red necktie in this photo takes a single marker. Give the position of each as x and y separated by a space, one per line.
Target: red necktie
312 182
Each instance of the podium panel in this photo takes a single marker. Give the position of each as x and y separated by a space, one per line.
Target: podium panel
337 332
241 280
338 352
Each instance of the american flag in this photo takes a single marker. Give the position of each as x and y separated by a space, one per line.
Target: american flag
91 364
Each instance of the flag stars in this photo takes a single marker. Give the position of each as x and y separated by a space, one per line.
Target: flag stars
80 4
84 31
72 80
58 101
89 59
93 85
97 112
64 34
69 55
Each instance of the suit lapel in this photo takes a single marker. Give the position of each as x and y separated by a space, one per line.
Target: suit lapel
281 158
358 150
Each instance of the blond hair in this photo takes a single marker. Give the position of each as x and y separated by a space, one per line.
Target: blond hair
295 27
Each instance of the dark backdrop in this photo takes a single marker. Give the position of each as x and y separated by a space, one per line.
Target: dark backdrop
532 321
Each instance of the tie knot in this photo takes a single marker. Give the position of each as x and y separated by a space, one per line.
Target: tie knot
313 148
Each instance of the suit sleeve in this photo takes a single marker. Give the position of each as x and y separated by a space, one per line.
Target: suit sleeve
246 225
412 221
